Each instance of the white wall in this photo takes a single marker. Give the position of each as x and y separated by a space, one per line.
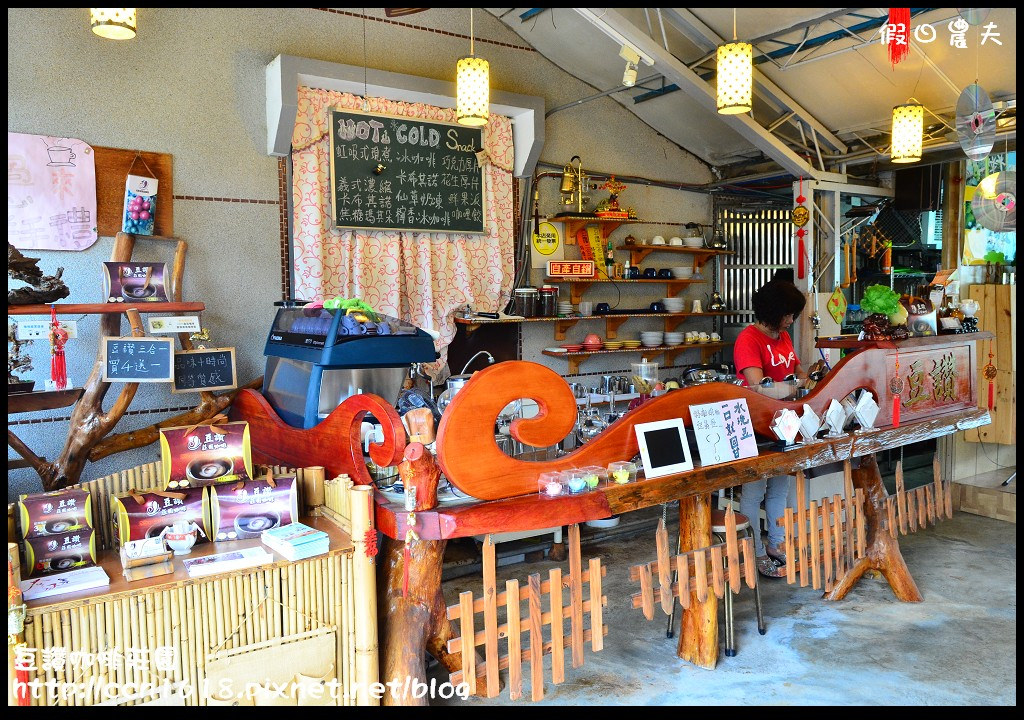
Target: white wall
192 84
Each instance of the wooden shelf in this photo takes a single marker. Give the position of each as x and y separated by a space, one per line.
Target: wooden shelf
668 351
42 400
851 341
578 286
637 253
612 321
574 224
106 308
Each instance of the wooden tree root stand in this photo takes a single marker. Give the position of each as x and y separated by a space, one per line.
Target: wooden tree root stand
698 628
883 550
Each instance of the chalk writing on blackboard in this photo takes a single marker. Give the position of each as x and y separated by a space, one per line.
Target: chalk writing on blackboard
138 359
398 173
204 370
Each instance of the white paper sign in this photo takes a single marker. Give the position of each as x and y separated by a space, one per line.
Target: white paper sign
724 431
186 323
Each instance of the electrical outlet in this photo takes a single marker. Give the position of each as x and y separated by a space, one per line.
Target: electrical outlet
40 329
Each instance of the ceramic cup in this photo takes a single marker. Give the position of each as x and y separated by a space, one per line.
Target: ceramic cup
715 337
657 240
704 337
650 273
676 241
633 273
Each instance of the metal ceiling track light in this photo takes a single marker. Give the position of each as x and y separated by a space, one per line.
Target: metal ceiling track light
735 75
472 82
907 133
113 23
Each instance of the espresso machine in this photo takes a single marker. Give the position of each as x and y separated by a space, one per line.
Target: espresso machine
318 357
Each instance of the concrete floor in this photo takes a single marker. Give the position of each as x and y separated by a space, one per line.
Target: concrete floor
958 647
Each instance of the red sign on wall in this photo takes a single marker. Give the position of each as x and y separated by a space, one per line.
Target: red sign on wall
572 268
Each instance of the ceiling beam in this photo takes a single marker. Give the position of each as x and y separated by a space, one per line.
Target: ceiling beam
699 90
682 17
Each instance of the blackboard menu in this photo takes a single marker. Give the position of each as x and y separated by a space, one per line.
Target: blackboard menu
399 173
127 359
204 370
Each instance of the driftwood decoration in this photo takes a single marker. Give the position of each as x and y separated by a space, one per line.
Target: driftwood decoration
42 289
89 423
482 678
707 572
824 541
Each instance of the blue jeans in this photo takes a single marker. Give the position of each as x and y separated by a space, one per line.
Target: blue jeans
774 491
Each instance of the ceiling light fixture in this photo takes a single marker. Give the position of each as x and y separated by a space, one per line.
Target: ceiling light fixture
735 80
615 35
113 23
472 86
907 133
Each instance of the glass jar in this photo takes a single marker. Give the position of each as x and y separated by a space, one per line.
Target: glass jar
548 302
525 302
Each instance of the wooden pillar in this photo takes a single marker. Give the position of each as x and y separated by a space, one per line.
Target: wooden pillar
883 550
698 632
365 588
952 214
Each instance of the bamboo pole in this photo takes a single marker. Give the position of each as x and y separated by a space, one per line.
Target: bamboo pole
365 591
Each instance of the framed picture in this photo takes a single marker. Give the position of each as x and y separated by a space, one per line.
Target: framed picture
663 447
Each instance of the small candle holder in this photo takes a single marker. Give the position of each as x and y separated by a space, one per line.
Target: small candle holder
622 472
550 485
575 481
595 476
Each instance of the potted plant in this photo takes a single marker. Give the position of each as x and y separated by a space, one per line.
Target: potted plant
17 360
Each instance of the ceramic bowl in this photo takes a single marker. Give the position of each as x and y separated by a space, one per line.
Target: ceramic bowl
657 240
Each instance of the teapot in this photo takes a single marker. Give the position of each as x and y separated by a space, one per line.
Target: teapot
716 303
181 536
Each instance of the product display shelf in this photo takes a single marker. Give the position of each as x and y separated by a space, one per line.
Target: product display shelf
670 352
612 321
42 400
578 286
106 308
638 252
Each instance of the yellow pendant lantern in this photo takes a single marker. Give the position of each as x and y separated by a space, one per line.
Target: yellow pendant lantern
907 133
113 23
735 77
472 83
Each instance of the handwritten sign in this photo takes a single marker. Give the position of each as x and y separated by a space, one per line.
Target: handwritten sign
204 370
724 431
138 359
399 173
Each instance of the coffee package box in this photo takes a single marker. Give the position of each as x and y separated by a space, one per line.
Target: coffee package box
139 515
60 553
202 455
54 513
135 282
244 510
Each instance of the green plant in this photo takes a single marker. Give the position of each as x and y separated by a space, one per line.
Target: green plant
880 299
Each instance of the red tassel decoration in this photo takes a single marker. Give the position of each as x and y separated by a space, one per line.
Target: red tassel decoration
58 363
990 374
896 388
899 34
801 271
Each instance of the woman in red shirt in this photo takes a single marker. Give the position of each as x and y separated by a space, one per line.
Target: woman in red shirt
765 350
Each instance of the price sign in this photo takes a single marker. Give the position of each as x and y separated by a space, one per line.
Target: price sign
724 431
128 359
204 370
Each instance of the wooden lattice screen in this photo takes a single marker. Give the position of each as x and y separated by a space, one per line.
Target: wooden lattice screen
692 570
823 540
912 510
515 625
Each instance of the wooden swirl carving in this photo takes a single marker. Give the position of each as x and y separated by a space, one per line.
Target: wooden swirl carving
334 443
473 462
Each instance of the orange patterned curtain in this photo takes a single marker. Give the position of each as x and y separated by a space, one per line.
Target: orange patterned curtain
421 277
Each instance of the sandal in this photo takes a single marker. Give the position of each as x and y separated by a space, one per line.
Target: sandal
776 553
767 567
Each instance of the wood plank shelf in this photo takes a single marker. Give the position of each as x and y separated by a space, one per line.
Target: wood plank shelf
574 224
637 253
106 308
578 286
42 400
851 341
668 351
612 321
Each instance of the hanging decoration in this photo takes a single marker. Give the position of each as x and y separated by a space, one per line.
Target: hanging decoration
899 34
735 80
896 388
801 216
836 305
907 133
472 86
990 375
113 23
58 363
